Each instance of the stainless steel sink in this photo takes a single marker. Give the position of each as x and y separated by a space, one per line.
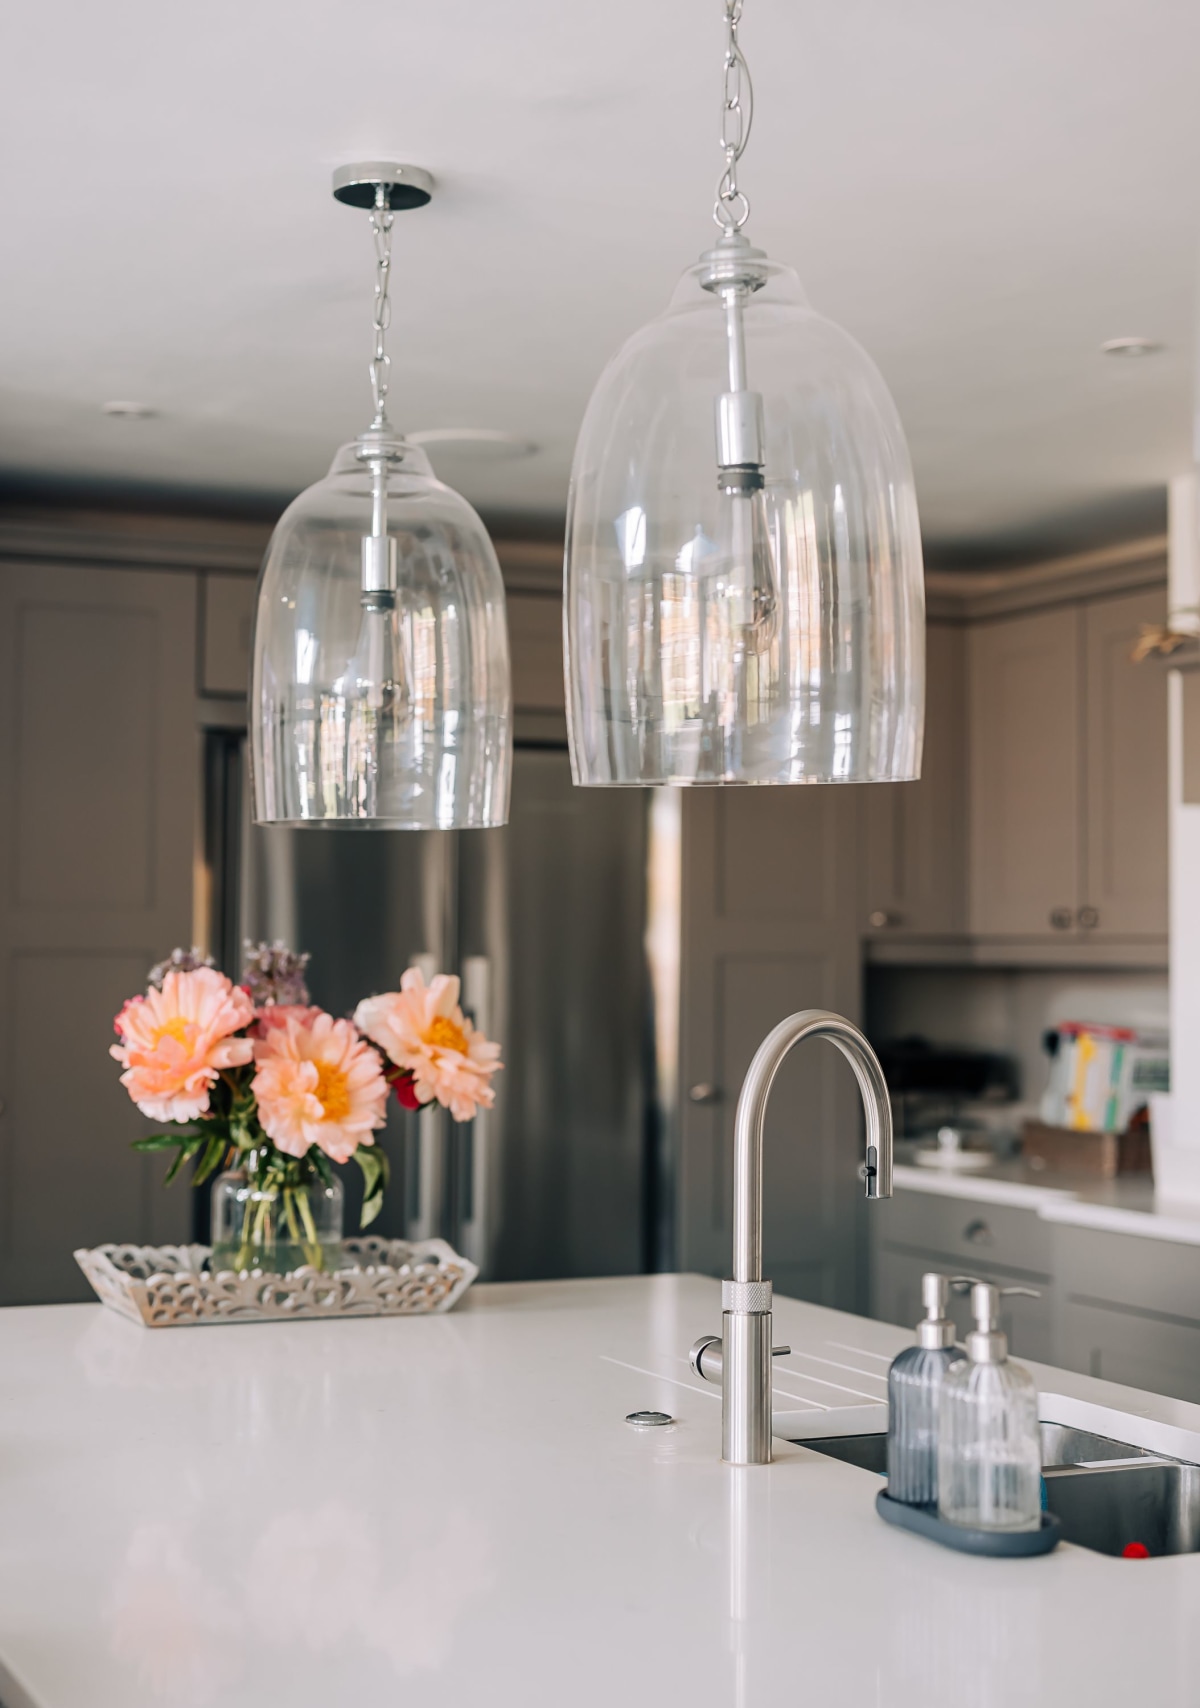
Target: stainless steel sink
869 1452
1061 1446
1105 1493
1156 1504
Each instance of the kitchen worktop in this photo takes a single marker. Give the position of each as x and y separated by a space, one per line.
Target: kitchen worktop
453 1510
1127 1204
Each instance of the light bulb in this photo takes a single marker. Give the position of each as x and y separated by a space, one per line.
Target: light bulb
378 710
745 565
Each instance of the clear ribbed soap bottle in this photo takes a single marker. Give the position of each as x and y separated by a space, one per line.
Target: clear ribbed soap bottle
989 1446
914 1381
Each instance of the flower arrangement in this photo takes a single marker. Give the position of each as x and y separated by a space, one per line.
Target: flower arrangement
258 1081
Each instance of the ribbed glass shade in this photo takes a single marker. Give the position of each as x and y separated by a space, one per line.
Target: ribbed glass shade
771 636
380 693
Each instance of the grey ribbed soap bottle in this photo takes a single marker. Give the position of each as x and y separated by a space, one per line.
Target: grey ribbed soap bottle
914 1381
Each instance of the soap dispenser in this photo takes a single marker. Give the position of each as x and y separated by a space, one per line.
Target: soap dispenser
914 1380
989 1448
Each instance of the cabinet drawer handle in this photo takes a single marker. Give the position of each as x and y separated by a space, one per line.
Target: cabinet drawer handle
1061 918
1089 918
977 1233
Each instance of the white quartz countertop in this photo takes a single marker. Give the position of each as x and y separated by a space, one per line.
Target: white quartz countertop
1126 1205
451 1510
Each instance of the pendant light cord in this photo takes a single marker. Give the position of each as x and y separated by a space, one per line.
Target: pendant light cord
382 219
732 208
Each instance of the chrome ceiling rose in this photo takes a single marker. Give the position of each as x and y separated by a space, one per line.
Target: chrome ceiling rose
380 692
403 187
744 584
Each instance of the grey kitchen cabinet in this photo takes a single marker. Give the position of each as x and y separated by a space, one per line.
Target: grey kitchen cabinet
1025 778
913 835
1068 786
227 634
535 636
1129 1347
1124 879
768 928
1128 1309
99 772
534 629
896 1298
1000 1243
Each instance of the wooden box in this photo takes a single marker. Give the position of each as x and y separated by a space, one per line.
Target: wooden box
1060 1150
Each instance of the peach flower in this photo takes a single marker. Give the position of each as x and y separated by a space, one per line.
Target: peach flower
318 1083
421 1027
175 1041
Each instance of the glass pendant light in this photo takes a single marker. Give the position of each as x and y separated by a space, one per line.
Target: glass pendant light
380 690
744 586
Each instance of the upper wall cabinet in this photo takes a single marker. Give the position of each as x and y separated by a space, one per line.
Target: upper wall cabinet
1068 787
913 834
1124 877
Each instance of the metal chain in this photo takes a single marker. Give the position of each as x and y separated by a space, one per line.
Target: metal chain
732 209
382 218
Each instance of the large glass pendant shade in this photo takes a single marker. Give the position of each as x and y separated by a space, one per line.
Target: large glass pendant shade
380 690
761 622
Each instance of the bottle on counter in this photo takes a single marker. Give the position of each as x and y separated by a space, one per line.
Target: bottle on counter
914 1384
989 1446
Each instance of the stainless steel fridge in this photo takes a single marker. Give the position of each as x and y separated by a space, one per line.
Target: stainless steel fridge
544 921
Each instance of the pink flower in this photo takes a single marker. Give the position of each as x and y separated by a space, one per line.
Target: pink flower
279 1013
175 1041
422 1028
318 1083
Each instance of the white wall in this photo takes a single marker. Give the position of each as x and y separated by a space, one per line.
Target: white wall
1184 597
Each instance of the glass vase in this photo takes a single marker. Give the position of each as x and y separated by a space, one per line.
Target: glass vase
259 1224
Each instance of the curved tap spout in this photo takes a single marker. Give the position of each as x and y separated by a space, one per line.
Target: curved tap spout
745 1346
751 1118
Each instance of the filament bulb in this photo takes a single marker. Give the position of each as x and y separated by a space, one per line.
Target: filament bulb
747 567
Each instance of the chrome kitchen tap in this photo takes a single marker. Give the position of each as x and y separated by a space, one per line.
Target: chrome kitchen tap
741 1359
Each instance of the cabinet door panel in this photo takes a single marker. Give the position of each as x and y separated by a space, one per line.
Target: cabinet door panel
98 785
535 637
1125 868
914 834
1127 1347
1025 772
896 1298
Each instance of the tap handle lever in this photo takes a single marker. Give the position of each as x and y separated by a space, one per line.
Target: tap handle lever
705 1356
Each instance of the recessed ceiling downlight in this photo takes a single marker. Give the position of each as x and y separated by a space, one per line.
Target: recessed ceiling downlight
482 442
1130 347
131 411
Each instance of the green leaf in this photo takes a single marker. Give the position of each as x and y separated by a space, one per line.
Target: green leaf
211 1160
374 1164
367 1158
163 1141
320 1165
180 1158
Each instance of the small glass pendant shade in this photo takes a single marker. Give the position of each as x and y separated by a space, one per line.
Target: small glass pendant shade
767 626
380 691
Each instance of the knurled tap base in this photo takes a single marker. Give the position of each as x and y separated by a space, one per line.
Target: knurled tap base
746 1296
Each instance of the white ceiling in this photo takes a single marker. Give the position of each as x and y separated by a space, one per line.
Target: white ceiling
981 193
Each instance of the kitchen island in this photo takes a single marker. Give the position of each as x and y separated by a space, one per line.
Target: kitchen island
453 1510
